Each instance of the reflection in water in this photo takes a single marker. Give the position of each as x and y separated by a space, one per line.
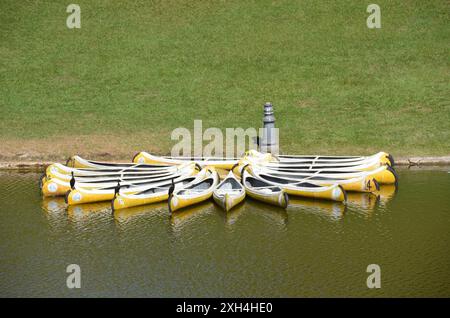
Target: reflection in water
55 212
330 209
273 213
81 211
181 218
232 216
123 215
364 203
386 193
54 205
319 252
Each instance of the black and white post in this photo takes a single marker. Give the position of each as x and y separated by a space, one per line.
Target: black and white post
269 138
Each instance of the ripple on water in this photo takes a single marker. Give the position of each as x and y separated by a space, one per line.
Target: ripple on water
313 248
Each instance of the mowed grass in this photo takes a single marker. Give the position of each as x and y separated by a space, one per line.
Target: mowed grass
136 70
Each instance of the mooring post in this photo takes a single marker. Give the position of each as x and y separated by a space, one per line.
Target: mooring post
269 140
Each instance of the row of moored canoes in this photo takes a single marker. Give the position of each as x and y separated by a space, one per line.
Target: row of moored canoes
187 181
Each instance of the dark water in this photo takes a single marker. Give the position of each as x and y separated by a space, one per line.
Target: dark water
312 249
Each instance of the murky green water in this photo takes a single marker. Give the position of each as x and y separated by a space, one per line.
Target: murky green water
312 249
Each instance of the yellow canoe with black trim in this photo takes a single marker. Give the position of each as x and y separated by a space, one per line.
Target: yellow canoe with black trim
264 192
308 190
193 194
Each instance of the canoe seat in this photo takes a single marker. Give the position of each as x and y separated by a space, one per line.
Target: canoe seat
230 184
225 191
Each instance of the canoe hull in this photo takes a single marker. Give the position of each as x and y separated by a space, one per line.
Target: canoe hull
177 202
280 199
228 201
124 201
144 157
80 196
52 188
333 193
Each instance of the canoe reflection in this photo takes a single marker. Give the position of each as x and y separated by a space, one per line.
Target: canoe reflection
333 210
125 214
274 213
180 218
233 215
363 202
55 212
82 210
53 205
386 193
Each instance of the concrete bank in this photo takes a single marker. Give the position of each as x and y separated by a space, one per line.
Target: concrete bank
423 161
39 166
24 166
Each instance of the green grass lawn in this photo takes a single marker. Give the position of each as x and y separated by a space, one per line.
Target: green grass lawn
138 69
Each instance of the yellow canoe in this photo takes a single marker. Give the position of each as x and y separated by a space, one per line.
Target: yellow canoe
79 162
65 173
229 192
222 163
382 157
264 192
193 194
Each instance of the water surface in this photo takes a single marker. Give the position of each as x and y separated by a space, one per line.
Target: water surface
311 249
